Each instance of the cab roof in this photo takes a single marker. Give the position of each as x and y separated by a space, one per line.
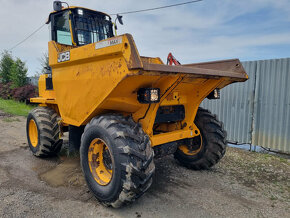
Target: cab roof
75 7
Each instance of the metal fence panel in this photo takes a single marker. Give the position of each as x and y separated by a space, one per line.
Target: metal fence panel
257 111
272 111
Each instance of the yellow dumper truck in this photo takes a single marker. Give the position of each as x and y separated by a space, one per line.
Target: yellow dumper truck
122 109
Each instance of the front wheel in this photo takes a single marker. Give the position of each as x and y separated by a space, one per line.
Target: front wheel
207 149
116 159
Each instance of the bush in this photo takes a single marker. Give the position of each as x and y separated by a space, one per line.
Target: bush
6 91
24 93
19 94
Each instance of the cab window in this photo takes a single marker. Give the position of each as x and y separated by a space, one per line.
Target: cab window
62 28
91 27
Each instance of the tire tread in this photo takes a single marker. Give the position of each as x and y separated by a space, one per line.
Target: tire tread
216 142
49 131
137 155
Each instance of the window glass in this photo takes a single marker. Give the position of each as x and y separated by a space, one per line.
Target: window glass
63 34
92 28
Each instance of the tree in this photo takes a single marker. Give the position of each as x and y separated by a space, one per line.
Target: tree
44 64
6 64
18 73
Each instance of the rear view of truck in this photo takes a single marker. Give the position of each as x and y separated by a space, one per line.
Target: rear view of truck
122 110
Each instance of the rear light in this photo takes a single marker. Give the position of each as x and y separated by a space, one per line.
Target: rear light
215 94
148 95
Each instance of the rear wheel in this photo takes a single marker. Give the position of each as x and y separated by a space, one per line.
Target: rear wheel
205 150
116 159
43 132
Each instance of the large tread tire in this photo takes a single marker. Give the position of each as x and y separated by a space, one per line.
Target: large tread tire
213 142
132 156
46 120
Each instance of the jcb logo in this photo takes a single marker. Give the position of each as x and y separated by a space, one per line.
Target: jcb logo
65 56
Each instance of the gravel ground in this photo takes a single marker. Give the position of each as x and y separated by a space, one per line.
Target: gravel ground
243 184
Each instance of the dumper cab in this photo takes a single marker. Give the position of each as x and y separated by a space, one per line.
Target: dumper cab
77 26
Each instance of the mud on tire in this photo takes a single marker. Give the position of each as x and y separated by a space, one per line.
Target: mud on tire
131 154
213 145
46 142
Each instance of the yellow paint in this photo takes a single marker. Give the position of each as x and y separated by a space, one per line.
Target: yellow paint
45 96
100 172
105 80
115 29
173 136
71 31
33 133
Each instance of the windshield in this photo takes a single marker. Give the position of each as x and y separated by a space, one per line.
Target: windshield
91 27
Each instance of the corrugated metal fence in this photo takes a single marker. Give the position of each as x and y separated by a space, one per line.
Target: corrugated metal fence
257 112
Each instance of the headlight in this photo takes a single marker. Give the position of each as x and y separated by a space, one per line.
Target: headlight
148 95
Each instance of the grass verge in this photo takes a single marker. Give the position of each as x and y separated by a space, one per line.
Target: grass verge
14 107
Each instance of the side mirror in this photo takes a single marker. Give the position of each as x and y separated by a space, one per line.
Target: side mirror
57 5
119 17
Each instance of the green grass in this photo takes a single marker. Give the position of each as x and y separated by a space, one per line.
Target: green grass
14 107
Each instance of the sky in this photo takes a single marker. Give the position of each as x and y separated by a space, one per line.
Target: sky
204 31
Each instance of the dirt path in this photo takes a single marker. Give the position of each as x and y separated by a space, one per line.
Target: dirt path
244 184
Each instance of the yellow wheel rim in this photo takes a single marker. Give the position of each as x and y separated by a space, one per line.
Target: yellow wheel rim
192 149
100 162
33 133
